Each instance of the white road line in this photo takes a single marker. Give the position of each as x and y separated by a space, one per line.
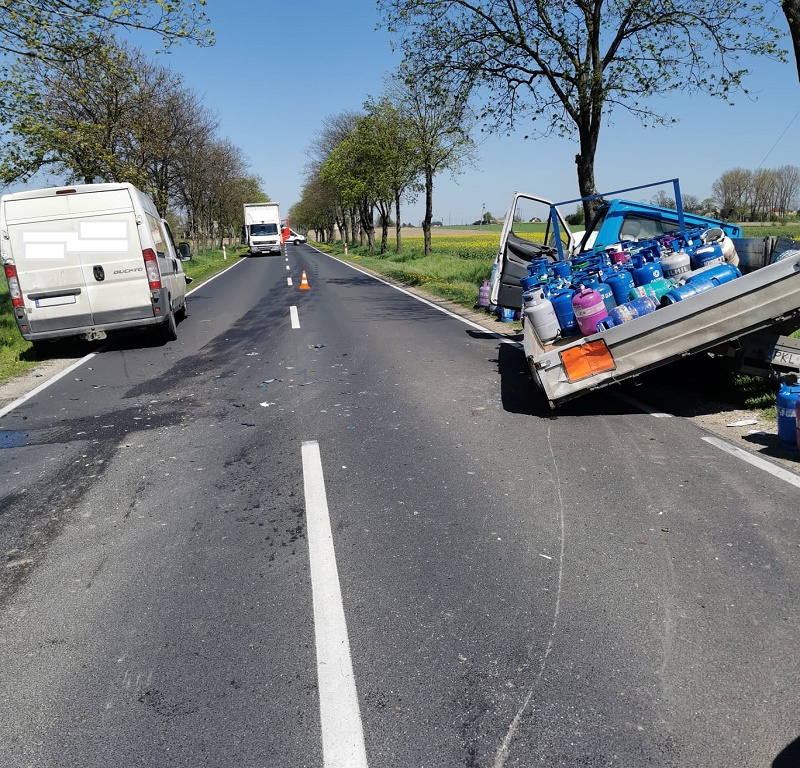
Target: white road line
288 281
444 311
288 267
342 731
756 461
294 317
78 363
214 277
28 395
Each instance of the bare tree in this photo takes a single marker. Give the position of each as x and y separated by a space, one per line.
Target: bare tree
730 192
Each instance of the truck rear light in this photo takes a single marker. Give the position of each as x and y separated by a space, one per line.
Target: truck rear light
151 267
586 360
13 286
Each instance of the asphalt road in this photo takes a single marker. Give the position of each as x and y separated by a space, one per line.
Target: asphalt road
334 527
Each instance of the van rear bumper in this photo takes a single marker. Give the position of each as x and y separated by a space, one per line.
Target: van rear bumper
88 330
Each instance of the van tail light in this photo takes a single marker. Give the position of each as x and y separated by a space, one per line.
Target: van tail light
13 286
151 266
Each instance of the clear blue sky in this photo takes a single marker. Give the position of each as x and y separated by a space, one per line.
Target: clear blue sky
279 70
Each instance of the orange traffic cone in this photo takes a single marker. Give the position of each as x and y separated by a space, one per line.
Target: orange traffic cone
304 286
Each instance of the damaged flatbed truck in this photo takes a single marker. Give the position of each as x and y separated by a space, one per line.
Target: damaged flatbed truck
644 286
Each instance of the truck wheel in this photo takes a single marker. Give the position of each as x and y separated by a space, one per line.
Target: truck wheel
169 328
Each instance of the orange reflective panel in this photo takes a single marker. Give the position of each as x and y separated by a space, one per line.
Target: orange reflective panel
587 360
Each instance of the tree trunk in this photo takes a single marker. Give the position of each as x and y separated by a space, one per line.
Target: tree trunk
397 226
426 222
586 185
366 210
341 225
792 10
384 209
353 228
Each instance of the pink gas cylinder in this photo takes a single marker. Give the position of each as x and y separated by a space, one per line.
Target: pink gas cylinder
617 255
589 309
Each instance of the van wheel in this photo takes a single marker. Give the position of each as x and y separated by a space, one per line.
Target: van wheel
169 329
183 312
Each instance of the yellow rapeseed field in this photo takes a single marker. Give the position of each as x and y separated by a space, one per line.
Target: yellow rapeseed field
476 246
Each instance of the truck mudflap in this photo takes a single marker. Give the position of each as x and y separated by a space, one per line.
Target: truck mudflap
754 302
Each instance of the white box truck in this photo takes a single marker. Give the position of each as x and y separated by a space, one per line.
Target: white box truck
262 228
81 261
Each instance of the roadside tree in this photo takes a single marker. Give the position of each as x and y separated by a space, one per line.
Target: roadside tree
352 169
66 30
791 9
336 129
390 131
76 117
317 209
439 122
566 65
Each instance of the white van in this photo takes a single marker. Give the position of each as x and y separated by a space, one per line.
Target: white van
84 260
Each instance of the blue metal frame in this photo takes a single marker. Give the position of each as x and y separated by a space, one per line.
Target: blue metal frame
554 217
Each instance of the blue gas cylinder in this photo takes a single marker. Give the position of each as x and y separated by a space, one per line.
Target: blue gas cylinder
620 283
681 292
797 418
562 304
624 313
707 255
538 268
717 274
786 401
645 271
560 269
605 290
530 282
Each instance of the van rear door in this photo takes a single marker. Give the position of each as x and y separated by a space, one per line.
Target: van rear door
78 258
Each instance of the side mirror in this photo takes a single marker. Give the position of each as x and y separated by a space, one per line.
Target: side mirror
185 251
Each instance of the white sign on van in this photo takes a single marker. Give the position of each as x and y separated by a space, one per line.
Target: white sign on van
91 237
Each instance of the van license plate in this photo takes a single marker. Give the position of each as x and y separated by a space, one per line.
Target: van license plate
54 301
